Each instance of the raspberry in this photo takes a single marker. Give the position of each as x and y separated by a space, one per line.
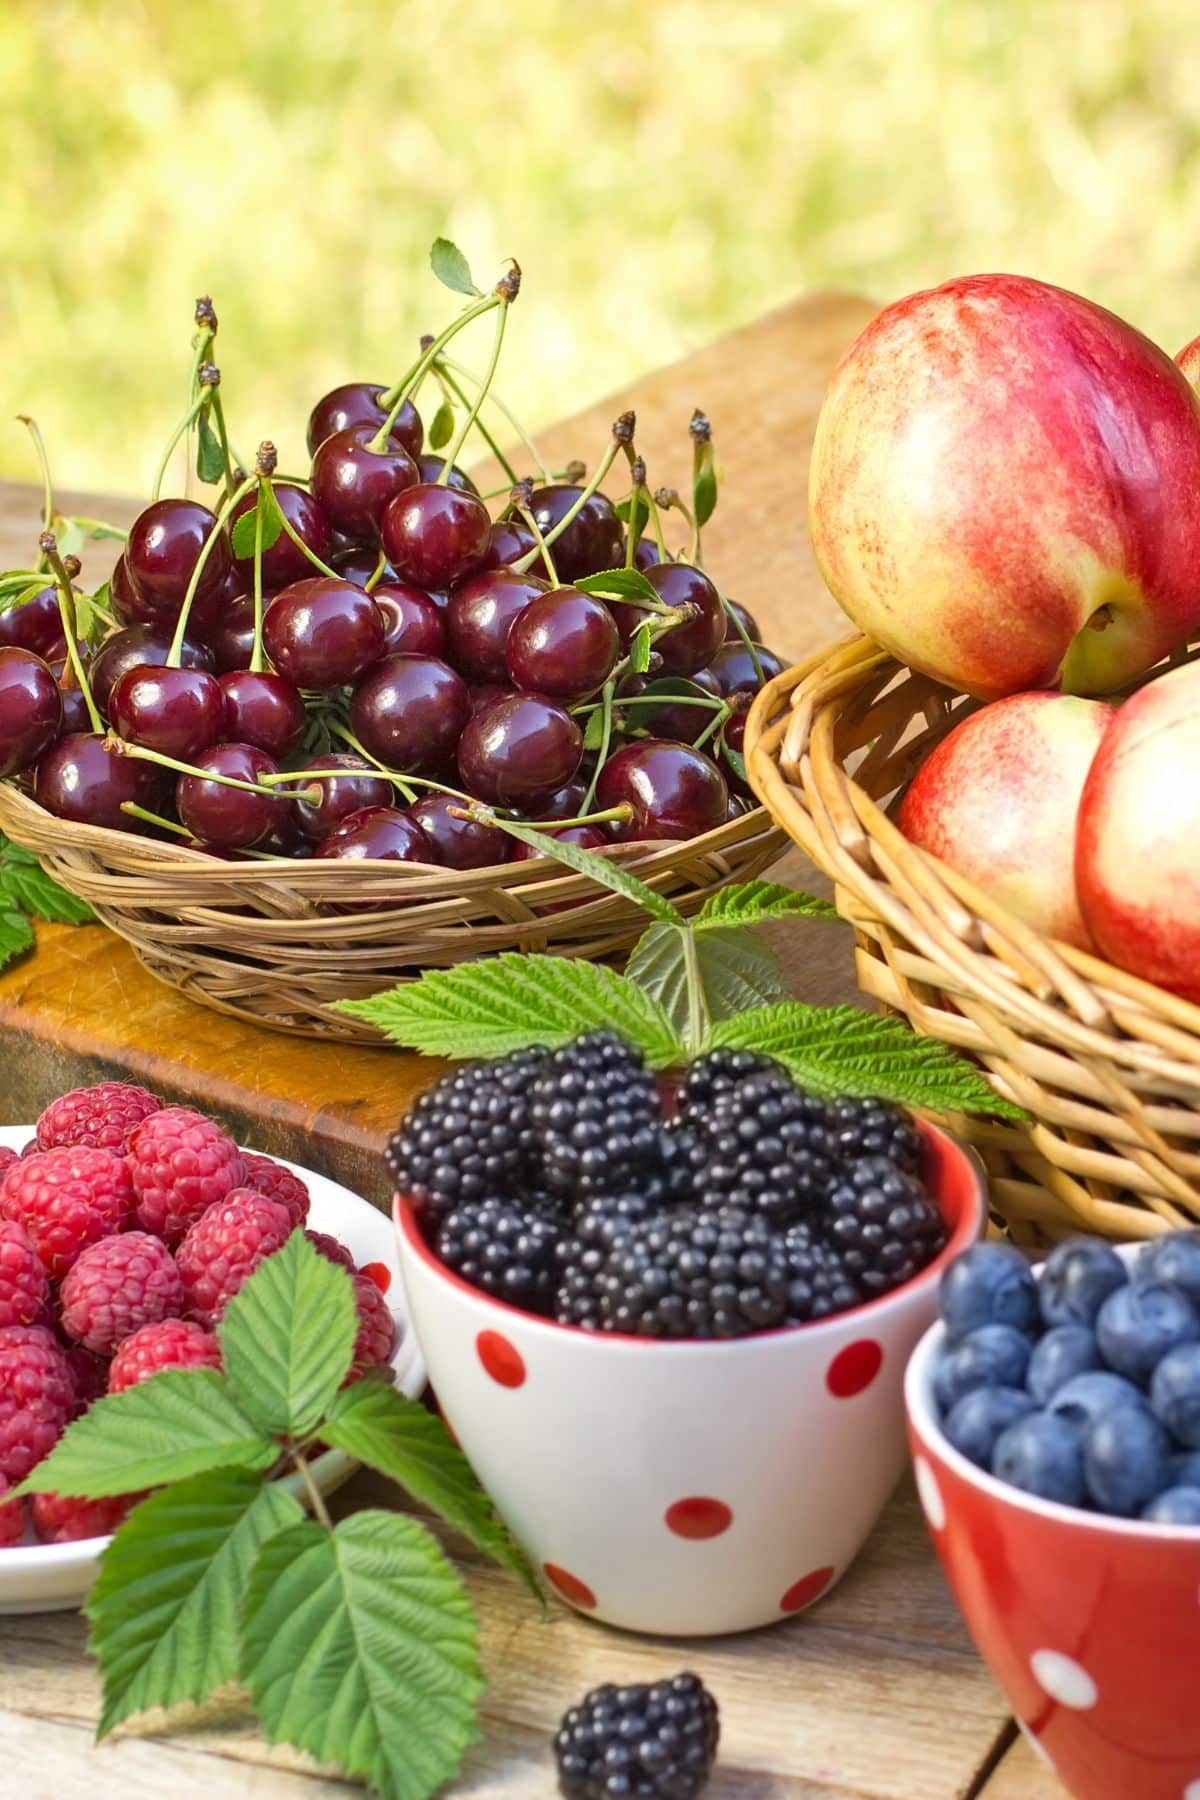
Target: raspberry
170 1344
181 1164
89 1374
96 1118
24 1288
277 1183
467 1137
66 1200
226 1245
7 1158
12 1518
505 1247
59 1519
117 1286
376 1340
331 1249
657 1743
37 1395
594 1114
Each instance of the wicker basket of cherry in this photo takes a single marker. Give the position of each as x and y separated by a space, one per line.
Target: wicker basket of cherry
313 732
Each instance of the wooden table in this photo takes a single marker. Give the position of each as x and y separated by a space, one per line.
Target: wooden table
877 1693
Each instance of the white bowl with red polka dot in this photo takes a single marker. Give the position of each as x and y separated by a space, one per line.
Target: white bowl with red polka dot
685 1488
1090 1624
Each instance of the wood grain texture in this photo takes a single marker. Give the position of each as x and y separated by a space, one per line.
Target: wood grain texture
1021 1774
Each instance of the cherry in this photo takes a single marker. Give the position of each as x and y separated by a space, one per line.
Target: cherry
35 625
409 712
587 837
459 843
80 779
31 708
262 709
732 668
675 791
436 536
646 554
738 807
378 834
593 540
564 644
353 483
285 838
487 693
684 724
748 620
358 403
75 714
285 561
358 565
480 616
135 647
511 539
693 645
228 817
321 633
519 750
430 469
341 795
162 550
412 620
564 803
232 638
175 711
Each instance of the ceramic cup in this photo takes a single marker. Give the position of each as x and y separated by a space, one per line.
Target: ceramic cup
685 1488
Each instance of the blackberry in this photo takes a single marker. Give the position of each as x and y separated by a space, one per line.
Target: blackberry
647 1743
819 1284
874 1128
468 1137
768 1141
883 1224
598 1224
594 1114
695 1272
506 1247
715 1074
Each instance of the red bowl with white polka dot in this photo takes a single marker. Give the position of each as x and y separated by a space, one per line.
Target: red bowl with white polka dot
689 1487
1090 1624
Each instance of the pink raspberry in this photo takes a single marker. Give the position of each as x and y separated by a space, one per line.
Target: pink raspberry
331 1248
277 1183
88 1372
99 1118
66 1200
226 1245
58 1519
24 1287
7 1158
181 1164
117 1286
376 1338
36 1397
171 1344
12 1518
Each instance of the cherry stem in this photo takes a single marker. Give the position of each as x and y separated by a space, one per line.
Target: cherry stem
185 425
256 657
637 469
202 345
122 747
606 702
442 371
747 640
406 783
152 818
543 547
395 397
377 573
472 414
206 549
305 549
585 494
48 545
715 724
39 444
505 411
669 497
218 413
476 813
709 700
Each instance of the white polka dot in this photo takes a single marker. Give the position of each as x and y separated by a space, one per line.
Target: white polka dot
930 1494
1064 1680
1192 1790
1039 1749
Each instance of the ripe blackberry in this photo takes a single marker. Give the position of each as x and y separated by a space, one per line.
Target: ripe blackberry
819 1284
506 1247
695 1272
874 1128
595 1116
883 1224
715 1074
581 1255
468 1137
649 1743
768 1141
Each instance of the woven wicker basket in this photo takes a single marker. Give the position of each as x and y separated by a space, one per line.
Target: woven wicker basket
1107 1066
278 943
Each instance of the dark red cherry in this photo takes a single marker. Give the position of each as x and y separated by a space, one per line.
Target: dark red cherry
162 550
564 644
748 620
209 611
285 562
587 837
359 565
519 750
412 620
738 807
353 483
409 712
680 722
128 607
285 838
380 834
646 554
675 791
262 709
31 708
487 694
75 714
322 633
510 540
358 788
35 625
232 638
733 670
135 647
228 817
692 645
563 803
593 540
176 711
357 403
430 468
459 843
436 536
480 616
80 780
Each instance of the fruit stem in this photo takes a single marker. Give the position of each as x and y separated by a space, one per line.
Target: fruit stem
668 498
472 413
747 640
377 573
256 656
48 545
406 783
152 818
310 1487
522 499
205 318
185 424
606 702
622 434
716 723
445 365
119 746
221 520
709 700
442 371
218 412
299 542
395 397
39 444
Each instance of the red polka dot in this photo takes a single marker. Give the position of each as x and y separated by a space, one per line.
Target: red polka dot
803 1592
569 1586
698 1517
502 1360
854 1368
380 1274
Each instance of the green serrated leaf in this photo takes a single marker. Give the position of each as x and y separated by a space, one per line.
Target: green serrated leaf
593 731
621 584
639 649
511 1001
24 880
840 1050
181 1423
210 459
735 969
16 934
636 517
754 902
359 1646
441 429
451 268
93 530
375 1423
164 1609
242 535
599 868
19 590
287 1338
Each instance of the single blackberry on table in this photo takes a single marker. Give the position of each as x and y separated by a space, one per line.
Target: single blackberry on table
862 1128
503 1246
695 1272
594 1114
645 1742
883 1224
468 1137
768 1141
819 1284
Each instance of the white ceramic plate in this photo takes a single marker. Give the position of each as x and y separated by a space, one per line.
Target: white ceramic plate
55 1577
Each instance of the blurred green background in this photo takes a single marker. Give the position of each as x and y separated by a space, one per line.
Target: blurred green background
662 169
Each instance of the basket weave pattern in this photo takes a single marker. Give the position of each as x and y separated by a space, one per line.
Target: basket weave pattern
1107 1066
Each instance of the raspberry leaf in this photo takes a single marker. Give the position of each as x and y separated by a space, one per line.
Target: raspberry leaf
180 1423
287 1338
164 1607
451 267
358 1645
16 933
733 971
756 902
25 883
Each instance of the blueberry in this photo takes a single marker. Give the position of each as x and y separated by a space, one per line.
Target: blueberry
979 1417
1175 1394
1174 1258
1136 1327
1078 1277
990 1284
992 1356
1042 1454
1185 1469
1174 1506
1065 1351
1126 1456
1086 1398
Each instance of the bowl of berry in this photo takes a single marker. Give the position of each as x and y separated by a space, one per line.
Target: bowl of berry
1054 1420
668 1319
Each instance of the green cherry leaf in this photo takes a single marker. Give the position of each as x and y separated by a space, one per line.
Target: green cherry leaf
441 429
242 535
210 459
451 268
639 649
621 584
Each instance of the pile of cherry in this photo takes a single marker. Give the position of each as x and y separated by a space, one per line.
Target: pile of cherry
406 645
